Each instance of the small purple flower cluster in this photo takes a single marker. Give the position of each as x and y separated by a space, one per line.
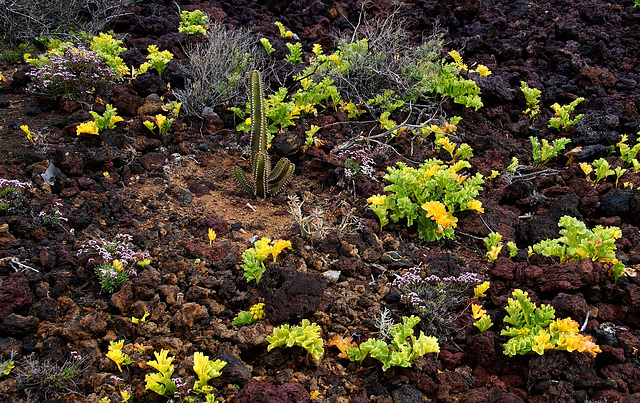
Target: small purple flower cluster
357 163
14 184
12 198
78 73
119 249
116 260
54 216
419 291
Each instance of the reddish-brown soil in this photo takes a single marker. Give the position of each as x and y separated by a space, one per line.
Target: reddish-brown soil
167 192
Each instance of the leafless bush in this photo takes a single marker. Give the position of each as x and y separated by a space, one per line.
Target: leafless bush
51 378
218 70
26 19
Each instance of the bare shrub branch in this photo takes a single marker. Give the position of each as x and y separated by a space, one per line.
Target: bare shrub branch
219 69
27 19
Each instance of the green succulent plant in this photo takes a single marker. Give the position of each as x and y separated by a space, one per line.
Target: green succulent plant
264 180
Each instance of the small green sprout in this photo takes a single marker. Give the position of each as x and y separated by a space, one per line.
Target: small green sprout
543 153
161 123
136 321
562 118
206 370
532 96
494 246
483 321
295 53
267 46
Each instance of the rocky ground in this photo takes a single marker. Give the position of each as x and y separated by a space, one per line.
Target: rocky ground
166 192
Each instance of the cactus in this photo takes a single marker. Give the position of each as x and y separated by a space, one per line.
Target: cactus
264 180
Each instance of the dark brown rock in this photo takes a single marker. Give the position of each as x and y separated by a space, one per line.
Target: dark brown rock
14 293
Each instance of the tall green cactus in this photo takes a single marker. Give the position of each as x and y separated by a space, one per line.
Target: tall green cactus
264 180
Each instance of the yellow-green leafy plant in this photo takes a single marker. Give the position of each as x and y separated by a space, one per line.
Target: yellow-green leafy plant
578 242
285 33
536 329
162 124
513 249
30 135
462 152
254 314
161 382
143 319
7 366
403 349
206 370
482 320
263 180
562 119
116 355
602 169
109 50
295 53
628 154
480 290
545 151
253 258
428 196
311 139
619 171
158 59
532 97
107 121
268 47
306 335
494 246
193 22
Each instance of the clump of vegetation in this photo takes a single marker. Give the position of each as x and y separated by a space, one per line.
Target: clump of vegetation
307 336
193 22
75 73
542 153
109 50
12 197
403 349
217 70
115 261
254 258
562 119
108 120
27 20
429 196
52 378
532 97
432 297
577 243
536 329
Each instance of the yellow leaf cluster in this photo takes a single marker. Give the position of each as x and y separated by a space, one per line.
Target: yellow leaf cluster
437 211
87 127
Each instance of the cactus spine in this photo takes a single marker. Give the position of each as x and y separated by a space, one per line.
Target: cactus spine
263 180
